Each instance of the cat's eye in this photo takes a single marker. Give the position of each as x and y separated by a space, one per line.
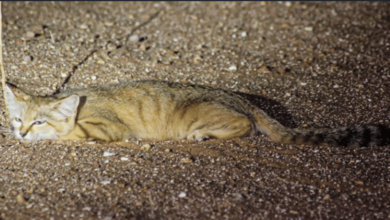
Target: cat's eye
18 120
39 122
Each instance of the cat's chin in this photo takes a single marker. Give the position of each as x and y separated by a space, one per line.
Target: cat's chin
34 138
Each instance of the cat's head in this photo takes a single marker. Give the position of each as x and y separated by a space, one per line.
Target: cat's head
35 118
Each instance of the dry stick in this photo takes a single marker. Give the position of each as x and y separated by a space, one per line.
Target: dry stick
1 65
75 67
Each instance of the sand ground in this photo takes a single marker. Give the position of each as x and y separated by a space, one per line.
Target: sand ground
306 64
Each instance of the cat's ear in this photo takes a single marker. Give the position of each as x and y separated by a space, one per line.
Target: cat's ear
15 98
13 93
66 107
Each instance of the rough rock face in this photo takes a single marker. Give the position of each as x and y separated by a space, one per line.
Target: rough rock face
306 64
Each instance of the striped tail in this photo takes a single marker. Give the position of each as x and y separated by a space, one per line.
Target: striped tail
354 135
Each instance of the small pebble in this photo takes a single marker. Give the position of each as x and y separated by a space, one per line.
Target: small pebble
28 58
20 198
124 158
146 147
326 197
134 38
182 194
359 182
232 68
30 34
303 83
83 26
142 47
100 61
105 182
186 160
64 75
73 153
87 208
93 77
108 154
108 24
264 70
308 29
243 34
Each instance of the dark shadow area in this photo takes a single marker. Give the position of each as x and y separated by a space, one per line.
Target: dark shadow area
273 108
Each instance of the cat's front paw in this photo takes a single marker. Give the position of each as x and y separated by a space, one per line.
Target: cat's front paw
198 136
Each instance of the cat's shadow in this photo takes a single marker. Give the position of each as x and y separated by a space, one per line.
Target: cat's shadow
273 109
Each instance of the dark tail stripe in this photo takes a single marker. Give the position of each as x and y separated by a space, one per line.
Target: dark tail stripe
362 135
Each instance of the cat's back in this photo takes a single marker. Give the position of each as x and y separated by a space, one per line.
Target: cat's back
139 89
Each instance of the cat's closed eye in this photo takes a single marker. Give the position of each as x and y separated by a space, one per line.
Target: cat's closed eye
39 122
18 120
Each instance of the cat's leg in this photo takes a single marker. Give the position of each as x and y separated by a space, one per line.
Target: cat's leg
226 126
97 128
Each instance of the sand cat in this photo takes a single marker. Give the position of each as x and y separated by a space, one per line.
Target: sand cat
159 110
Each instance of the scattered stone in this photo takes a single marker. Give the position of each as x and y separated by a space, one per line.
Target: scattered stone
73 153
243 34
142 47
28 58
111 46
30 34
308 29
83 26
303 83
288 94
105 182
336 86
293 212
232 68
167 150
146 147
87 208
182 195
108 154
93 78
100 61
64 75
134 38
359 182
20 198
186 160
108 24
124 158
264 70
326 197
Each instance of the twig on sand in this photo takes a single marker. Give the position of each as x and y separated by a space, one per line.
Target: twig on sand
1 65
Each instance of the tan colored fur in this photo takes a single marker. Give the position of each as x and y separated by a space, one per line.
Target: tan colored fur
156 110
